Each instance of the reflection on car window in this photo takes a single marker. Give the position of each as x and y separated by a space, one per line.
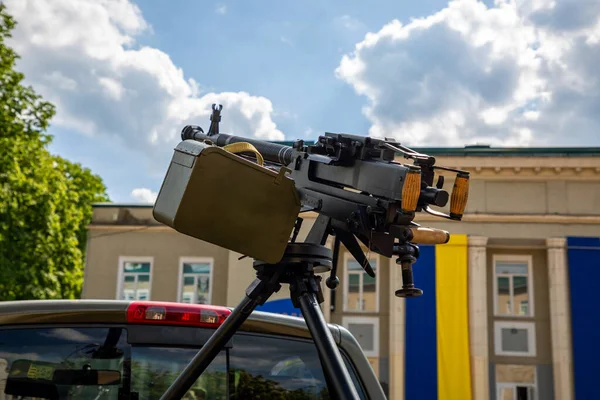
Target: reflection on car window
278 368
58 363
283 368
259 367
153 369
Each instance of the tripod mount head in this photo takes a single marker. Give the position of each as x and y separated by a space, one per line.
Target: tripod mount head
247 195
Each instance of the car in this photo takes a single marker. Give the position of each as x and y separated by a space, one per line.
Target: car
113 349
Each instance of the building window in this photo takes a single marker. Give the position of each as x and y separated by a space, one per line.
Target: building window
360 289
514 338
515 382
195 280
515 391
513 286
135 278
366 332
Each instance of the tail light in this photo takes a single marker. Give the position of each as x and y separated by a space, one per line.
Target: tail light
166 313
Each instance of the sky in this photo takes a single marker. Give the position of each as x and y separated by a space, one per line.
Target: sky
126 76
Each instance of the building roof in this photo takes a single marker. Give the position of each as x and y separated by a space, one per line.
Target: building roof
488 151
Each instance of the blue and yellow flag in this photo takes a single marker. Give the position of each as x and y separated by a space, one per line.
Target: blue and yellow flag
437 356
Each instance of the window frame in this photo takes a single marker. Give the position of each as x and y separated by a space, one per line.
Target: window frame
147 291
346 320
531 338
349 257
513 385
121 273
203 260
534 385
510 258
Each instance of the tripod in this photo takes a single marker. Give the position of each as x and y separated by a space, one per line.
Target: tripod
298 266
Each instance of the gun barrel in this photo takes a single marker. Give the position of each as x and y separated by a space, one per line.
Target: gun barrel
272 152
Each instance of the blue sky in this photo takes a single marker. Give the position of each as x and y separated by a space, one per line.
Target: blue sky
430 73
284 50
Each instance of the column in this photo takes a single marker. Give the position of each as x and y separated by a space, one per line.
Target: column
478 329
397 326
560 319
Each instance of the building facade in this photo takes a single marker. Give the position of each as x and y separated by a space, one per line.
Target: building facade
508 309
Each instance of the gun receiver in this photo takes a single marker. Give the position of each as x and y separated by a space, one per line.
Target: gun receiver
357 186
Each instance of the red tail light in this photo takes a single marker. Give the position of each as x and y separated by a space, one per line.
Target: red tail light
165 313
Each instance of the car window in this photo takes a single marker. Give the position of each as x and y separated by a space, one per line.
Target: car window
97 363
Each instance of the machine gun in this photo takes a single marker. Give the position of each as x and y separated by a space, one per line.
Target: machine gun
246 195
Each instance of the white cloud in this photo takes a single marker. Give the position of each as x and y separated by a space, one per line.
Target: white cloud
285 40
144 195
221 9
515 74
68 334
82 55
348 22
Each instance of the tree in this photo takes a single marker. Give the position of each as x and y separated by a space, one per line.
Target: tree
45 200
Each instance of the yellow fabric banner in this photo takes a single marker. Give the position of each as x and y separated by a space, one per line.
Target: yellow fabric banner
452 311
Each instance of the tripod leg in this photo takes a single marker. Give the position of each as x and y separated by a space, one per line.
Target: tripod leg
257 293
326 346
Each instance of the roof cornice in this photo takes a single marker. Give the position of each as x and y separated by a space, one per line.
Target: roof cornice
488 151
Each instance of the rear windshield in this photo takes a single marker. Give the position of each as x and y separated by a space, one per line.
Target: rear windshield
99 363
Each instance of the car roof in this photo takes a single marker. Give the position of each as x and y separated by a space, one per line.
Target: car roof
115 311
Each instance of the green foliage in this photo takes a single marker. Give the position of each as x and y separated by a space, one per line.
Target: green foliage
252 386
45 201
151 383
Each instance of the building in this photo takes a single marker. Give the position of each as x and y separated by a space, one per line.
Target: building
509 305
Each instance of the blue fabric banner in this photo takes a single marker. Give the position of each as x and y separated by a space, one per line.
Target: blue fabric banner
421 380
584 278
280 306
